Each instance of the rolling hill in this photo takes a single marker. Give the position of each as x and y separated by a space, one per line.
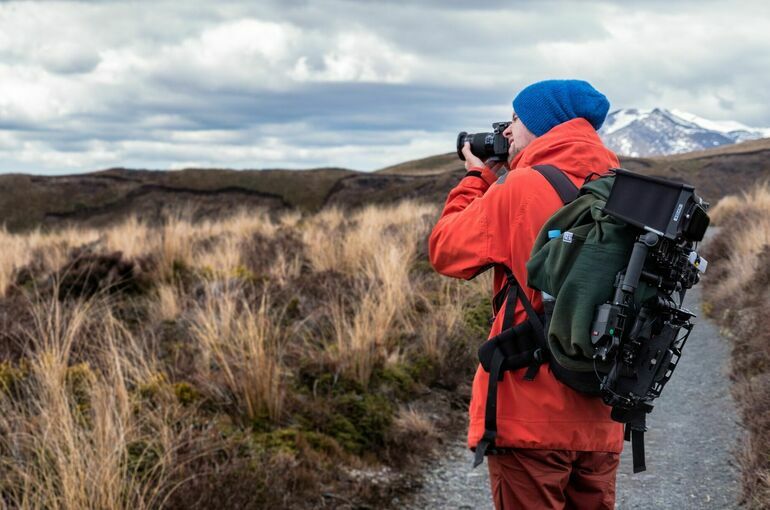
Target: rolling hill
97 198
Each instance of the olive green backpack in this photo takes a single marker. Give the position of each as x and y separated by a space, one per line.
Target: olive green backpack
578 267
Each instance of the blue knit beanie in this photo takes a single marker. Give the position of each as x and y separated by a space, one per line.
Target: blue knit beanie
546 104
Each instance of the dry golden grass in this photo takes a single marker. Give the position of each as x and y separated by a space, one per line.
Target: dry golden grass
174 243
50 250
67 444
243 347
285 267
378 245
99 408
756 199
442 317
736 290
411 421
747 240
222 258
361 340
354 245
133 238
168 305
322 239
725 208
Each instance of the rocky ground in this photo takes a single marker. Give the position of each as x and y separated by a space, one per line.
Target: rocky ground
692 434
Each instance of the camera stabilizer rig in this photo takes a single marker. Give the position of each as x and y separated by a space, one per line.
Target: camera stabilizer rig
644 341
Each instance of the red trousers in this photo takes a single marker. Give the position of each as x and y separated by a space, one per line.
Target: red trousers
553 479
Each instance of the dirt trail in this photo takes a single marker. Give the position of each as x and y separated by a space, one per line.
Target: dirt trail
693 432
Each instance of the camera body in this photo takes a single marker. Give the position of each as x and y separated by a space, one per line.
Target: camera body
485 145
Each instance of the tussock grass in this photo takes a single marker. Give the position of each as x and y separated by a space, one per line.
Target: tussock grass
47 250
361 339
736 289
168 305
412 421
256 354
377 245
133 238
75 440
746 236
242 346
355 244
725 208
442 317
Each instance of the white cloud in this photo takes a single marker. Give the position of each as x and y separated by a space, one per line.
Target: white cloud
358 56
246 53
33 95
85 85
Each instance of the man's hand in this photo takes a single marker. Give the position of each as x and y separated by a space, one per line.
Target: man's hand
470 159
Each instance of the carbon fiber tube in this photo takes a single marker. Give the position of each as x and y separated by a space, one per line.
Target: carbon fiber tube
635 265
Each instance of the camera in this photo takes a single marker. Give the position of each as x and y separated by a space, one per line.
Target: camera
485 145
644 339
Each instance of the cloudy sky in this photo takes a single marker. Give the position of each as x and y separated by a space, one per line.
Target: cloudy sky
358 84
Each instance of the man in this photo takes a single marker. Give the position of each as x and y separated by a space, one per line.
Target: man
555 448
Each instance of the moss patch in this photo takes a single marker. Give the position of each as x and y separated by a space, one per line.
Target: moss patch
185 393
423 368
11 378
396 380
79 380
312 379
422 266
370 415
155 386
476 317
142 457
294 440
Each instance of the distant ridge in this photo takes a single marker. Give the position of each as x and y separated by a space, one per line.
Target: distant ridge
99 198
426 166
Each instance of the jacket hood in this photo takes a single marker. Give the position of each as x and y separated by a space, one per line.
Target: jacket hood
573 146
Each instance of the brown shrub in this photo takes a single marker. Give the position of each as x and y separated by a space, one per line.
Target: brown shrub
215 349
15 319
260 252
736 287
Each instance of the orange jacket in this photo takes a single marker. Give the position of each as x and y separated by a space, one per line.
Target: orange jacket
495 221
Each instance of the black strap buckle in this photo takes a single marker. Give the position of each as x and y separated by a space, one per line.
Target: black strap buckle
537 360
481 449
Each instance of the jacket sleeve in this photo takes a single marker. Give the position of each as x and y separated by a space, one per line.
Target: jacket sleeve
460 243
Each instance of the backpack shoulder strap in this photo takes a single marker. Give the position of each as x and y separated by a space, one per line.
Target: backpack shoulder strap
524 345
561 183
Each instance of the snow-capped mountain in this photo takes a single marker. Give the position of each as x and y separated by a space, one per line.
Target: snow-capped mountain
633 132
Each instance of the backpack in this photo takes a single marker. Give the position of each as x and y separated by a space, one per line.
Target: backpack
606 330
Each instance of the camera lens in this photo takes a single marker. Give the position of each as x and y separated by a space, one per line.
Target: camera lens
460 142
483 145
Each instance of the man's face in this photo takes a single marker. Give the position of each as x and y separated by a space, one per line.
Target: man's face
518 136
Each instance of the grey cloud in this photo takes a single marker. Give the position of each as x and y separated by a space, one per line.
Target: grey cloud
141 90
72 64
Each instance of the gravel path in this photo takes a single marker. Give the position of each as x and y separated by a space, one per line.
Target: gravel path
692 433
